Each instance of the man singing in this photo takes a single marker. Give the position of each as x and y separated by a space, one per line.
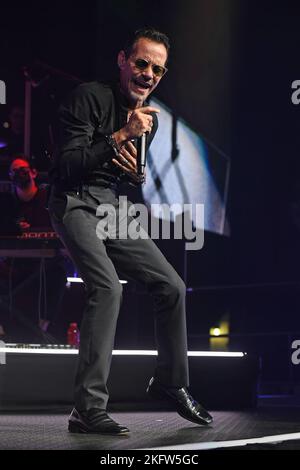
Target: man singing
98 123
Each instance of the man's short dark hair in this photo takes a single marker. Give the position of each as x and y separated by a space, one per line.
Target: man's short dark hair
149 33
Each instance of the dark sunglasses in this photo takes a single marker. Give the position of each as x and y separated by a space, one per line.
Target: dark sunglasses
158 70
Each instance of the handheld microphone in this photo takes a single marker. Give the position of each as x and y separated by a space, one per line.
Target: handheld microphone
141 155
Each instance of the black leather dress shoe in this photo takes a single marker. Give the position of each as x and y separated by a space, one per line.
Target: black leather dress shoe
183 402
94 421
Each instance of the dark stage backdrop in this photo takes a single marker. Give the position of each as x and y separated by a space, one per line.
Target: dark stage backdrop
231 68
202 33
60 38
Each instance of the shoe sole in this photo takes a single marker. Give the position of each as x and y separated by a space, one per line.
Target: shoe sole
203 423
77 429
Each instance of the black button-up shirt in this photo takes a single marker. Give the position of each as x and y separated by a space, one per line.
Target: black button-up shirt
92 111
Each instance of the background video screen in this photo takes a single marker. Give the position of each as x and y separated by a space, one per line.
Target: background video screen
183 168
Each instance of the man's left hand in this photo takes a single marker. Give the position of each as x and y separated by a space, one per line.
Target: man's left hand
126 160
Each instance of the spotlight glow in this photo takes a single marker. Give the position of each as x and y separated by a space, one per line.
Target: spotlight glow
216 332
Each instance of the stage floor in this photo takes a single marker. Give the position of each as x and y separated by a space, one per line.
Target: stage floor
155 430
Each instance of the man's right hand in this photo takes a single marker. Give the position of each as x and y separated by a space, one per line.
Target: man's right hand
139 123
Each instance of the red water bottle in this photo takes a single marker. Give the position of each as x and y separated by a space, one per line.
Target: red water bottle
73 335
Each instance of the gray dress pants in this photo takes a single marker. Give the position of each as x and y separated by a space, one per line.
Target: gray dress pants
74 219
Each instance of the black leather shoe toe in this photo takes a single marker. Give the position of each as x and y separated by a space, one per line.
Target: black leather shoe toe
184 403
94 421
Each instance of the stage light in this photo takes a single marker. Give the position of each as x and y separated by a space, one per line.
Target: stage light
12 348
215 331
219 335
71 280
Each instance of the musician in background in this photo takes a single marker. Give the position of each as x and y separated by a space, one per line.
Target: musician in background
30 199
25 210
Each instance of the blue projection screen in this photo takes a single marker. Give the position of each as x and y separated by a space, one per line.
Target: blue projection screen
183 168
